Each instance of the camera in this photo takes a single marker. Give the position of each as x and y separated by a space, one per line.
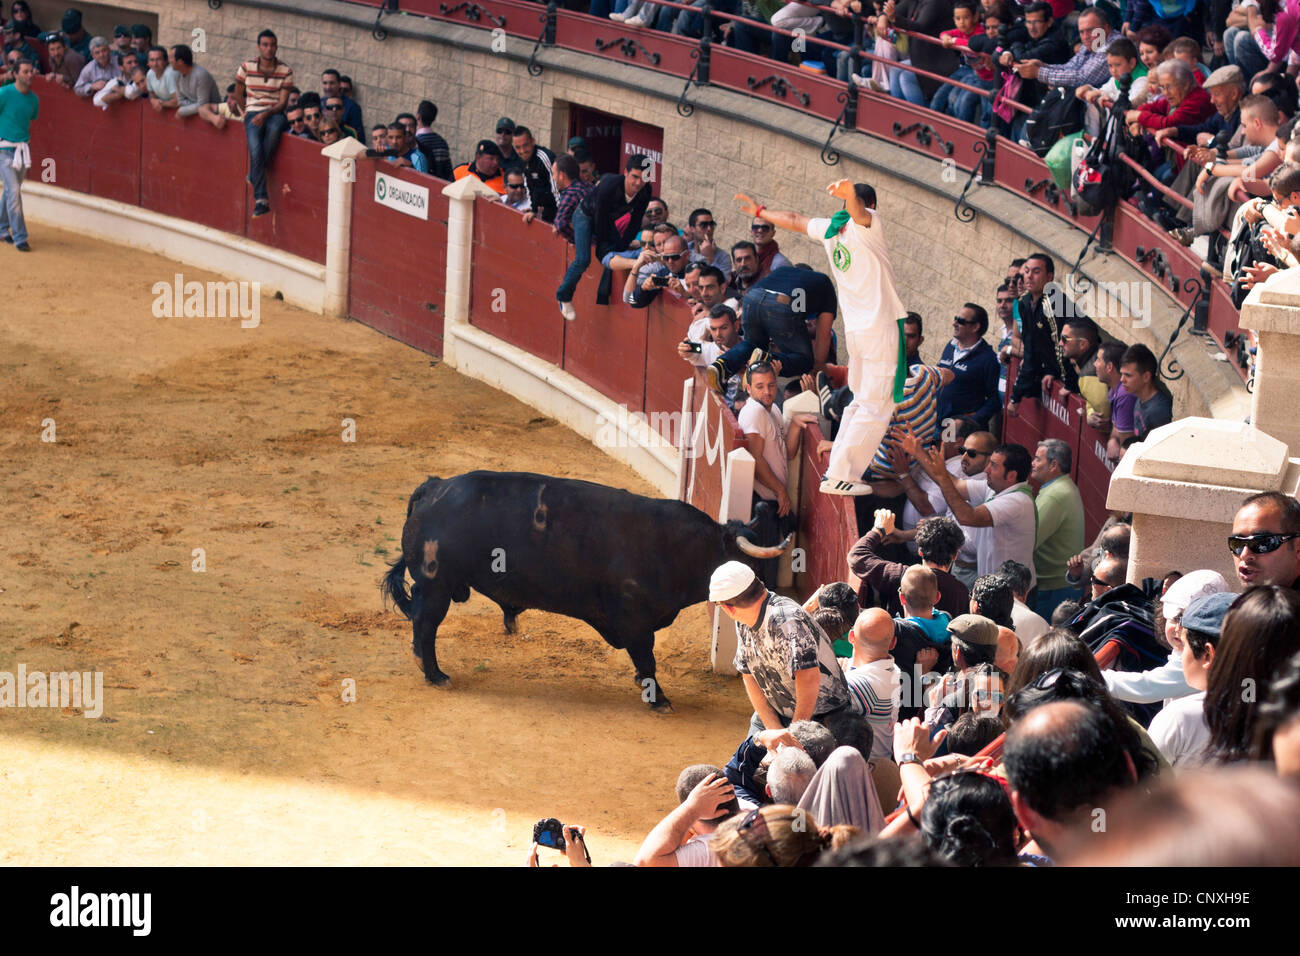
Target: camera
549 832
692 346
660 281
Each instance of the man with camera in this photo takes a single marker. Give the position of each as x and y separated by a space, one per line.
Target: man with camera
656 271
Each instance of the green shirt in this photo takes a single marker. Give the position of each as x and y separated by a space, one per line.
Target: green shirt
1060 531
17 110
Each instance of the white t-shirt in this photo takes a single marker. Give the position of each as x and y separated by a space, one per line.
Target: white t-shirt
697 852
1014 530
1027 624
754 419
1180 731
864 276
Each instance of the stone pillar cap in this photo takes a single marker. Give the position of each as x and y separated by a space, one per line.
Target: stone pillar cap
1208 451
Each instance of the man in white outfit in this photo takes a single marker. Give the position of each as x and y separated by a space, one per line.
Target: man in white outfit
873 325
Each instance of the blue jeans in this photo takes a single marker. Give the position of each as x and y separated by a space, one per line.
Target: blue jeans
12 223
262 143
581 256
905 86
1243 51
746 38
775 328
945 100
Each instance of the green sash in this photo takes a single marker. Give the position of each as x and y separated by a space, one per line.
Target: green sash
900 373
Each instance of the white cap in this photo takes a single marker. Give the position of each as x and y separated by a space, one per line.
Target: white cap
730 581
1188 588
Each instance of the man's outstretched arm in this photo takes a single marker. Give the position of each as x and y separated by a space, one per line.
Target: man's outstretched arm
793 221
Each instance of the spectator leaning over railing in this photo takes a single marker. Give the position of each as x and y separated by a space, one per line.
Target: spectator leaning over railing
99 72
1184 102
1080 342
261 88
1140 374
700 227
1127 76
331 85
1088 65
1118 423
1226 87
194 85
486 167
161 81
1040 333
18 107
609 216
65 64
973 391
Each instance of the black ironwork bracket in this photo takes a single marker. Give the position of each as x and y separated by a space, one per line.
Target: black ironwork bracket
1170 368
699 77
472 12
545 38
1161 267
925 134
1101 235
378 32
1051 193
780 87
628 47
847 121
215 4
982 172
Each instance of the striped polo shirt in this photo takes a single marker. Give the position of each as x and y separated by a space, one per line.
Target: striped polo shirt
263 87
918 409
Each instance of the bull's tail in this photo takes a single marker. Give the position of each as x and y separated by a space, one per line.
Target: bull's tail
394 587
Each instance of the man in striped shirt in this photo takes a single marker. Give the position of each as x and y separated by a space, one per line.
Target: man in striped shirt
262 88
875 684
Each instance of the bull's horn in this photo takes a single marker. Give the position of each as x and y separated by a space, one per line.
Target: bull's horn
754 551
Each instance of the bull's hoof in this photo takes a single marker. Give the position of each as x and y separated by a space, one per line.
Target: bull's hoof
661 707
438 679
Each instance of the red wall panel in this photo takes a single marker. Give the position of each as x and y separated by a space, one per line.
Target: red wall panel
667 325
517 267
95 151
297 183
182 160
828 524
1093 477
398 263
606 346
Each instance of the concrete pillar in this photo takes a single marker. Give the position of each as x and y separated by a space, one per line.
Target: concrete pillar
460 257
343 156
1185 483
1272 310
737 503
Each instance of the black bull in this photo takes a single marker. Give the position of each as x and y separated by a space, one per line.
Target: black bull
624 563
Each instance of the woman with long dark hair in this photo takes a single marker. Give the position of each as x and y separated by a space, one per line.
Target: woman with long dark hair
968 820
1260 631
21 15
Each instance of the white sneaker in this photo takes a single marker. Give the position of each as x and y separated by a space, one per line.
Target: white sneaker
832 486
618 17
566 310
637 21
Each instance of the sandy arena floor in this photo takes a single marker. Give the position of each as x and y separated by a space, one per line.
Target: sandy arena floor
225 738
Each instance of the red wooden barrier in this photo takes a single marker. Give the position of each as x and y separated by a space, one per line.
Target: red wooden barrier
607 347
517 266
667 324
1093 471
298 186
714 435
94 151
398 264
828 524
181 160
1066 415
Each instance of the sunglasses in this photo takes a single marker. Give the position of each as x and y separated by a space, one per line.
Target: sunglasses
764 228
755 826
974 453
984 696
676 256
514 186
311 116
1263 543
958 320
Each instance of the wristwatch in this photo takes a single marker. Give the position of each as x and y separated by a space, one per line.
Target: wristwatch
909 757
1209 166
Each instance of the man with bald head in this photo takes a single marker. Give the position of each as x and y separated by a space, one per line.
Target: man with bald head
875 684
1265 541
1064 760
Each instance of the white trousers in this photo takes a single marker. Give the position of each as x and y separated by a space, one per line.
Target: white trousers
873 362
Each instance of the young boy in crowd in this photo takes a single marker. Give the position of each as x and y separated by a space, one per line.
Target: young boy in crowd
967 26
1125 68
919 590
